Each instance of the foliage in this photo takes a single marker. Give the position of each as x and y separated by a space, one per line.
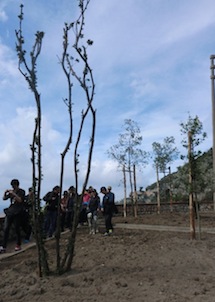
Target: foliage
193 134
127 151
195 127
179 180
129 154
164 154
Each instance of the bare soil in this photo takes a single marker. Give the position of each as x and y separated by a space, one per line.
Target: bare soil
130 265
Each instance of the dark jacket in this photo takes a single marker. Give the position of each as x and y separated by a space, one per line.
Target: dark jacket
108 203
51 199
94 204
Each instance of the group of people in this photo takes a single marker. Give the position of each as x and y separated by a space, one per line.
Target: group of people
51 210
90 208
19 214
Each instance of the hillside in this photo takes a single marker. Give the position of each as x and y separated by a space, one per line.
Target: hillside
177 182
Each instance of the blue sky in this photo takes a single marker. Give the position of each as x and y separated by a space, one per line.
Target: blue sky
151 64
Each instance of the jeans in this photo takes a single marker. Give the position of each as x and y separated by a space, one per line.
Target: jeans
50 222
9 220
108 221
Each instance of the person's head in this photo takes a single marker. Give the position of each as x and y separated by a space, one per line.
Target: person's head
56 189
14 183
103 190
109 188
93 192
72 189
65 193
90 189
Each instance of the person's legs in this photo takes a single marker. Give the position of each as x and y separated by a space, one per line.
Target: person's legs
89 220
108 222
68 219
52 224
26 225
46 223
7 225
83 216
62 221
94 222
17 221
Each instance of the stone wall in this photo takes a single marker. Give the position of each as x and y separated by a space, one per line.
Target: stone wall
150 208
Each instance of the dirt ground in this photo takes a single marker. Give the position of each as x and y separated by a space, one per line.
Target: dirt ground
130 265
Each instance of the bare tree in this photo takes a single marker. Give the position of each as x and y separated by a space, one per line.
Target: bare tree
29 71
86 81
87 84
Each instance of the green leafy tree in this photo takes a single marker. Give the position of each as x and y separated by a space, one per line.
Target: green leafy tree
163 155
193 136
129 154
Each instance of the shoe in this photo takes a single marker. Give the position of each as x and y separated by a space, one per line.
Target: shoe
106 234
110 231
2 250
26 240
17 248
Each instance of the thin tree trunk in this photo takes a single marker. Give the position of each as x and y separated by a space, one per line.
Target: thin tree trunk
131 186
158 191
135 192
170 190
125 203
198 217
192 220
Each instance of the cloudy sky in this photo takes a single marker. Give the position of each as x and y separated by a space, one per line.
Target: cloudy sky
151 64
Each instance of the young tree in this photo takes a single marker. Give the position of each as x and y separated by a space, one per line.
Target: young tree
193 136
163 156
86 82
29 71
128 154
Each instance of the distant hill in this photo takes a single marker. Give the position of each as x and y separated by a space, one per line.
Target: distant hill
177 182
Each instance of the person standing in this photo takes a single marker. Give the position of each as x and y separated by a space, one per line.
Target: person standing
84 205
27 215
51 199
92 211
108 208
13 214
70 208
63 208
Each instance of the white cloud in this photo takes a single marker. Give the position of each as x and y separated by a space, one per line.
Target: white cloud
3 16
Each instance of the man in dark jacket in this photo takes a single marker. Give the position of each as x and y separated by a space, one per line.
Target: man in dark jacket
108 208
51 199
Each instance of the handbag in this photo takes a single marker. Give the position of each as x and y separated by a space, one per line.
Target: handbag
13 210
